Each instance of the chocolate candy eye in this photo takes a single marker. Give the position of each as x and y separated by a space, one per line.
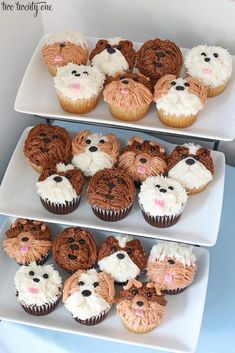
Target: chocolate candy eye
81 283
52 172
129 250
96 284
33 229
152 149
173 83
119 47
31 273
216 55
136 79
171 262
170 188
77 75
186 84
184 156
102 141
109 197
42 134
68 177
70 240
149 294
45 276
73 72
55 137
81 241
88 142
21 227
113 249
203 54
85 72
169 52
138 146
108 46
134 291
121 181
196 157
44 149
158 186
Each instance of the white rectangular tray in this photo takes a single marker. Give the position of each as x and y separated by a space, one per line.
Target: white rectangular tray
178 332
36 95
199 223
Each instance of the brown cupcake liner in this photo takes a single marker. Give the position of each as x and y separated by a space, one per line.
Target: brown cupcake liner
160 221
173 291
79 106
110 215
39 310
57 208
94 320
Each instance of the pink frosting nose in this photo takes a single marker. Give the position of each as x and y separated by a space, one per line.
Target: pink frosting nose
168 277
58 58
124 91
207 71
141 170
33 290
24 249
75 86
139 313
159 203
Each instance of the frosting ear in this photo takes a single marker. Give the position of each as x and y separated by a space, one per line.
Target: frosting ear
100 46
106 287
135 139
115 145
17 221
93 247
70 284
128 51
105 249
78 139
155 286
131 283
196 87
156 144
163 85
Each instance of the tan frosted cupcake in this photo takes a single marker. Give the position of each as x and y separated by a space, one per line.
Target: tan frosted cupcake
178 101
127 98
78 87
211 65
141 307
62 48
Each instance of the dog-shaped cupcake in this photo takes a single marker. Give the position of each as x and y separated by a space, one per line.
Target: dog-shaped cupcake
142 158
122 257
113 55
88 296
94 151
191 165
28 241
140 307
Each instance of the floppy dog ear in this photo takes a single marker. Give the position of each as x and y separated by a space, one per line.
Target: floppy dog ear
132 282
196 87
78 141
99 47
128 51
105 249
106 287
113 140
70 284
93 253
135 139
163 85
160 147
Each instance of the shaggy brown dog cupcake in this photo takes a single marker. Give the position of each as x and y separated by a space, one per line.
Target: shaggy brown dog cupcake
74 249
113 55
93 151
140 307
28 241
137 77
157 58
123 257
141 159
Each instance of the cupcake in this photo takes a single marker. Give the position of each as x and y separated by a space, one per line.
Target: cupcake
28 241
123 257
178 101
157 58
171 266
113 55
38 288
111 194
162 201
211 65
142 158
47 145
60 188
127 99
94 151
78 87
192 166
88 296
74 249
140 307
62 48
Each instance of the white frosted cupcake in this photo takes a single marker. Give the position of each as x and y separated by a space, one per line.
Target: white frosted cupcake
211 65
162 201
78 87
38 288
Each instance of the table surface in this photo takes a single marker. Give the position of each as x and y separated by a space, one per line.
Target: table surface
218 326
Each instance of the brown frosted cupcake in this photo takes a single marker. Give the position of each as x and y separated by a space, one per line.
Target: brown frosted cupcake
171 266
60 188
128 99
28 241
141 307
88 296
74 249
38 288
62 48
142 158
157 58
111 194
47 145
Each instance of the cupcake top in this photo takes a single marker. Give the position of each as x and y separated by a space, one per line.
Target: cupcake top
37 285
78 81
134 76
64 47
162 196
123 257
212 65
74 248
191 165
171 265
88 293
113 55
27 241
142 158
127 93
46 145
182 96
94 151
111 189
157 58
